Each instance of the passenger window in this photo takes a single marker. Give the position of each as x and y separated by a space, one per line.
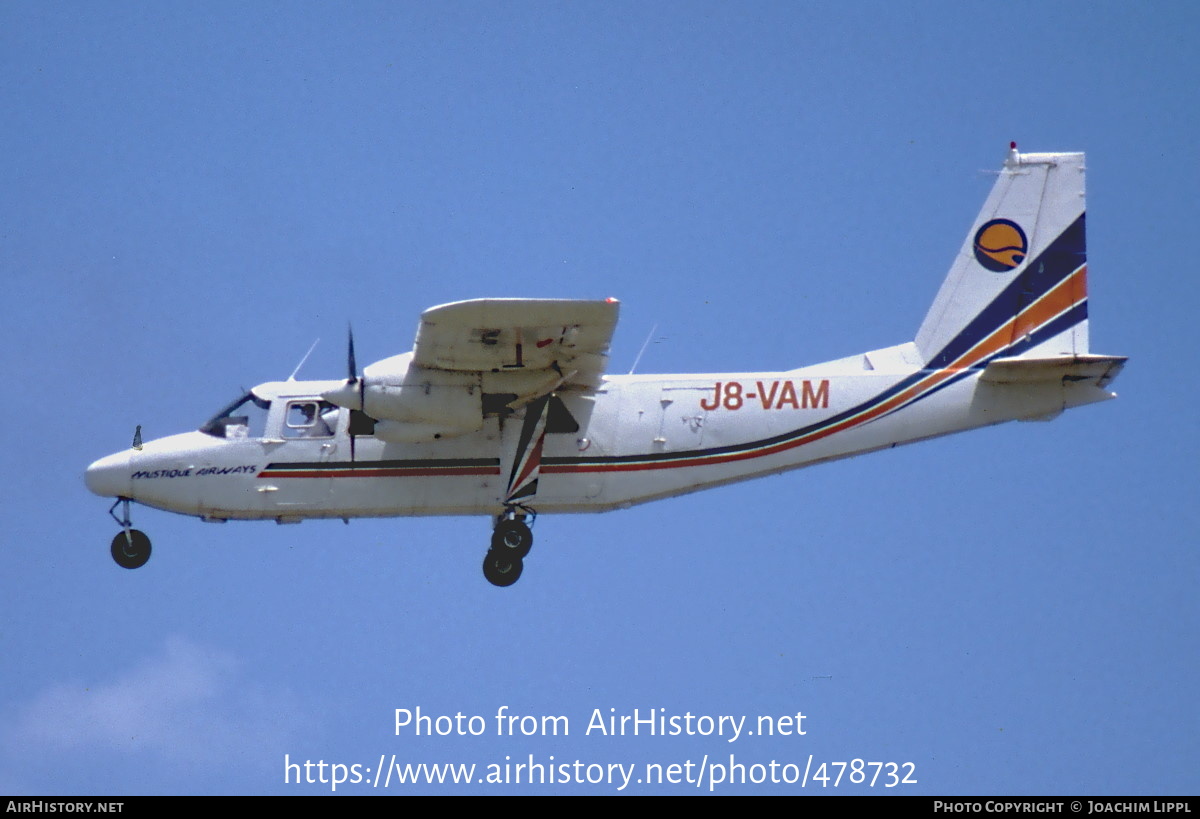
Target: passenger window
310 419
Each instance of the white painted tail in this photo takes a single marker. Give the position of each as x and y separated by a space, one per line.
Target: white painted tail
1018 287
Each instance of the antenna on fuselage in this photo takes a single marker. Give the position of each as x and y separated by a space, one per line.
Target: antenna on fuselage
645 344
292 377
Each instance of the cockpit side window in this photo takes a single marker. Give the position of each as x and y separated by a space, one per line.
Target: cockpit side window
310 419
244 418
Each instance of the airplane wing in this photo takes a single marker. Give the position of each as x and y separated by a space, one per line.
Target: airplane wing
557 337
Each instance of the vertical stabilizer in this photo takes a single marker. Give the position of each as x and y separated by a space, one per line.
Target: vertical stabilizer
1018 287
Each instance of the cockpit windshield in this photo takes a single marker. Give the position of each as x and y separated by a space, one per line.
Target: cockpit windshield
244 418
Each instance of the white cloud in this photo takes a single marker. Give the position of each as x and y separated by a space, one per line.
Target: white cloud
189 704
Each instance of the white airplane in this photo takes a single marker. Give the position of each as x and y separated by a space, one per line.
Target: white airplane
503 405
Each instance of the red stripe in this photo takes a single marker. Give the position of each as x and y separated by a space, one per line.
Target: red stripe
535 459
1066 294
1063 296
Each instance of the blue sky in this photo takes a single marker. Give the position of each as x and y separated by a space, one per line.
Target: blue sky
193 194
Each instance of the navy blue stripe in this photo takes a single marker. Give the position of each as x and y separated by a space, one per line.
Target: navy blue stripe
1059 325
1054 264
1061 259
735 448
533 414
371 465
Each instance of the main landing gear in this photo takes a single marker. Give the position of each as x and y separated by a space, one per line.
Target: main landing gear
511 542
130 548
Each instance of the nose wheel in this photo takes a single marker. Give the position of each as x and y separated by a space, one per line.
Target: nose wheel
511 541
130 548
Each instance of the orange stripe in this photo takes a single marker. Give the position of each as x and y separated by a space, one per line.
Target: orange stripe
1051 304
1066 294
1063 296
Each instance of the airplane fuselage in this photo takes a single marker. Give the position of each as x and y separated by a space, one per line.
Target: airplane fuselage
638 438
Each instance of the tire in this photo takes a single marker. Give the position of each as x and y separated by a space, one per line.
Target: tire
502 570
512 538
131 552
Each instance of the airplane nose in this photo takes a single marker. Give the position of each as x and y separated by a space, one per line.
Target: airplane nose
109 476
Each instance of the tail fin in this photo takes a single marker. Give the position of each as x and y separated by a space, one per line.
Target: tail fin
1018 288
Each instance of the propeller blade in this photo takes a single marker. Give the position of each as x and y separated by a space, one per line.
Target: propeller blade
352 364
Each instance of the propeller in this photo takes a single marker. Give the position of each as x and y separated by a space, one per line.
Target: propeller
353 396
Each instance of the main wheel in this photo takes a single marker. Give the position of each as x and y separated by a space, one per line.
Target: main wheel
512 538
132 551
502 570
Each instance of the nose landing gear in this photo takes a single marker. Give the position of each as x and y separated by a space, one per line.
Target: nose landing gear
130 548
511 542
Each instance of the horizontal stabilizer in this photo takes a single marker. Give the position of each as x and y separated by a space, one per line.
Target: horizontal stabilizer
1099 369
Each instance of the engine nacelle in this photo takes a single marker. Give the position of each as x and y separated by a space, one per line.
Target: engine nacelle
433 403
443 399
